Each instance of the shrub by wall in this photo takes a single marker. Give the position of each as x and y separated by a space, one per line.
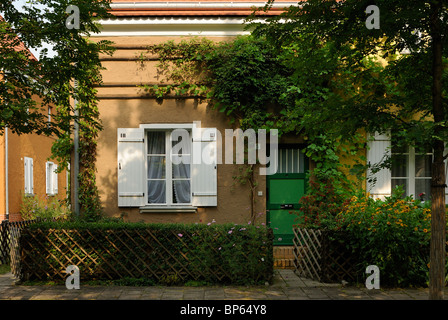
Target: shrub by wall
393 234
153 253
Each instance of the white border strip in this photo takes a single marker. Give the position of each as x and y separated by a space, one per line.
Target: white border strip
197 5
174 26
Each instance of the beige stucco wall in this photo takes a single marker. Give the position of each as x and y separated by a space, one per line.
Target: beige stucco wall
123 105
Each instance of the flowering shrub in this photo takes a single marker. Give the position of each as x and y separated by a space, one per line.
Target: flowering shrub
392 233
51 207
322 203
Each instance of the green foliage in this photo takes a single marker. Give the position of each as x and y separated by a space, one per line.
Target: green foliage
50 80
4 268
244 78
51 207
180 253
393 234
322 203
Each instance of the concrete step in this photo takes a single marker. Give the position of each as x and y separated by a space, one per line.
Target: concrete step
283 257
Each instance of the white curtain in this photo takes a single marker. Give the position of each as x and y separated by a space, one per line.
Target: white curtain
156 167
157 157
181 172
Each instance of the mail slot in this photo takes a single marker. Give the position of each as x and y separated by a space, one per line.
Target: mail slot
286 206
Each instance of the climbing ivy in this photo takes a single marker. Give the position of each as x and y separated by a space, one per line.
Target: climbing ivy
244 78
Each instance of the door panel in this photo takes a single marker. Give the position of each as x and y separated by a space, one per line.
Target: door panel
284 191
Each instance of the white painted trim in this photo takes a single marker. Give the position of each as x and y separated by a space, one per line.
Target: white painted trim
166 126
170 34
173 26
173 20
198 5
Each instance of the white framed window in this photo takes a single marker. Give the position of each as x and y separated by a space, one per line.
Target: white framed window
28 175
411 169
168 168
51 180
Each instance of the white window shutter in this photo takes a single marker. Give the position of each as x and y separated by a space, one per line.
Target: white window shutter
131 167
31 175
28 176
55 179
378 150
48 177
204 167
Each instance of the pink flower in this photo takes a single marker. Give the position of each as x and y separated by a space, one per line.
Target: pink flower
180 235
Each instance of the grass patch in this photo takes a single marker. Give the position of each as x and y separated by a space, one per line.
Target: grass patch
4 268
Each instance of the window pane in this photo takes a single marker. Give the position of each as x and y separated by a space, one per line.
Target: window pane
422 186
423 165
181 191
156 191
282 161
156 142
181 171
181 146
400 182
301 162
290 161
424 149
399 149
156 167
399 165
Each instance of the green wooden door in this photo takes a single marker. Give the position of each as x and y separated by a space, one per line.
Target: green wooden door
284 190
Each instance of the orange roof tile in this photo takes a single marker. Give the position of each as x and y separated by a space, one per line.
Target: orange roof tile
191 8
21 46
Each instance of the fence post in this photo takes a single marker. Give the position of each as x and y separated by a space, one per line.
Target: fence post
4 242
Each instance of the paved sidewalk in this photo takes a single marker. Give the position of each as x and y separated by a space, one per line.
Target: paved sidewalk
286 286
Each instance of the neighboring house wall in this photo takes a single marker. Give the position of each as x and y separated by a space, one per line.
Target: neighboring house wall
37 148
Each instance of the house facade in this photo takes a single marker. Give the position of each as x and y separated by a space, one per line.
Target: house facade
137 178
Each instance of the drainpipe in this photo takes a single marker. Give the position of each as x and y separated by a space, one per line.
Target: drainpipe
76 158
6 175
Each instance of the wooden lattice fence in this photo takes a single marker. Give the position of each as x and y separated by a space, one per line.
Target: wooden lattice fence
9 242
163 256
322 256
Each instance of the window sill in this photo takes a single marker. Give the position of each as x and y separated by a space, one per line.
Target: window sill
162 209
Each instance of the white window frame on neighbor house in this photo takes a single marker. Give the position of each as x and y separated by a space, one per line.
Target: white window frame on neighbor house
379 148
132 168
51 178
28 176
410 176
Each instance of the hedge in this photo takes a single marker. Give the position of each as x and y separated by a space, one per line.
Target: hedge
152 253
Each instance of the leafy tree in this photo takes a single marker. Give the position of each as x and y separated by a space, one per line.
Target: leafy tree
348 89
29 86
